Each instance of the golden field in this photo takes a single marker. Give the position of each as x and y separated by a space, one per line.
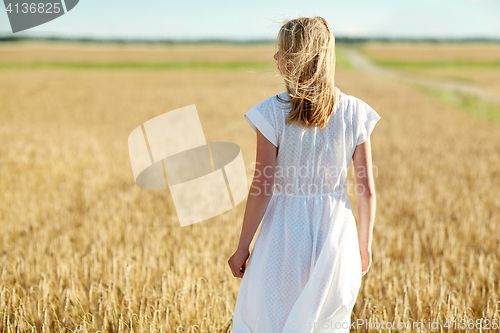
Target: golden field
26 52
84 249
426 51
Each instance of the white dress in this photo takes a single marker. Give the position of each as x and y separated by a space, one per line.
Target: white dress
304 271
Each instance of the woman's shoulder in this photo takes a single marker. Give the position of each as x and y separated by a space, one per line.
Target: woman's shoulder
355 102
281 100
277 98
274 103
349 100
354 107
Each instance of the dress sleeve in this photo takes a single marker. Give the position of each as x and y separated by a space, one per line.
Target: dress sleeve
367 117
262 116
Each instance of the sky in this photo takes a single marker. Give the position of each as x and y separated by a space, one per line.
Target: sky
258 19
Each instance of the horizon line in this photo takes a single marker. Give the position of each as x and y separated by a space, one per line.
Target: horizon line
340 39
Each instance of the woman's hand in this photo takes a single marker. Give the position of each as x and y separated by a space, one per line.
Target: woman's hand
237 262
366 260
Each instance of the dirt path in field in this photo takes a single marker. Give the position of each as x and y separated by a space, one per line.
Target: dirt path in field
361 62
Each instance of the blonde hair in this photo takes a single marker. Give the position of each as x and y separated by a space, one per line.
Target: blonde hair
307 49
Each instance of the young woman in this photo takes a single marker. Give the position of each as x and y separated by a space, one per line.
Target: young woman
305 270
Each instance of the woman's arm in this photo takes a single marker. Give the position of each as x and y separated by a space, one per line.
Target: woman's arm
365 190
258 198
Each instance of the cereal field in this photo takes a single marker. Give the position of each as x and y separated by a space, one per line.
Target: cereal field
84 249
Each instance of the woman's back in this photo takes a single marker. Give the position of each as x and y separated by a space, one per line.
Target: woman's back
313 161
